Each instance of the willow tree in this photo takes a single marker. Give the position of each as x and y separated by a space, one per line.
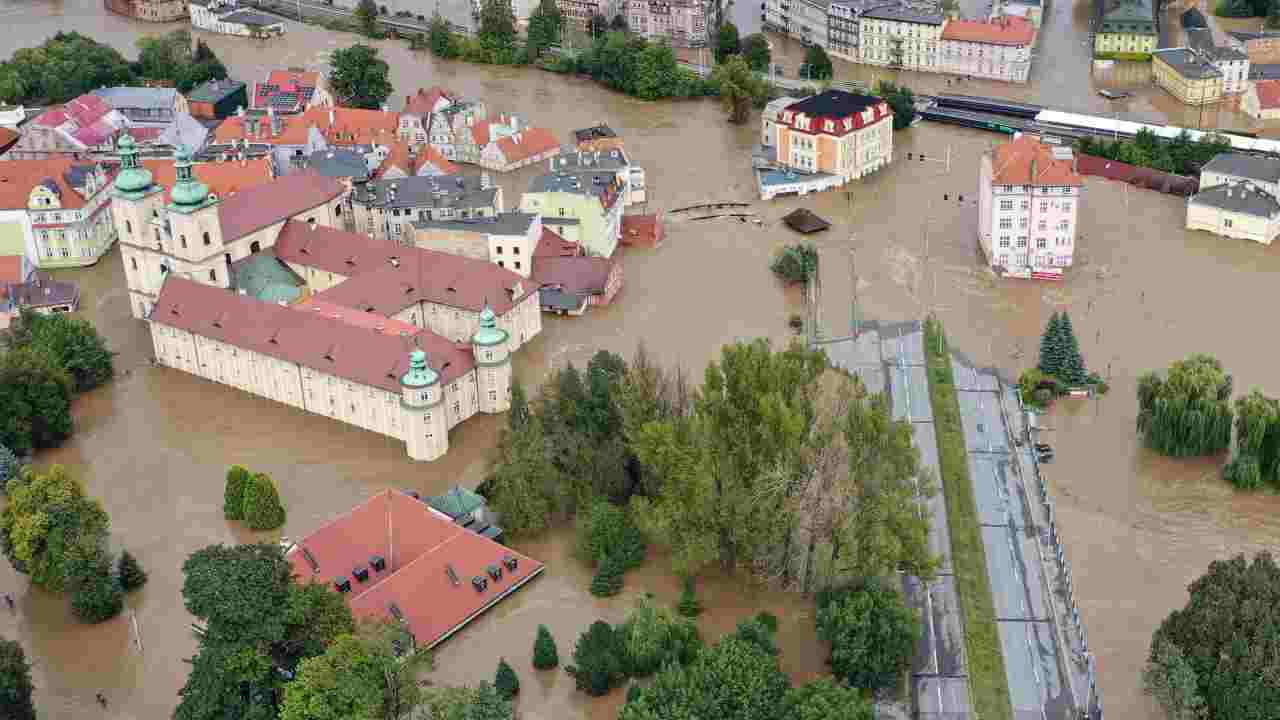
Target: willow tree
1187 412
1257 453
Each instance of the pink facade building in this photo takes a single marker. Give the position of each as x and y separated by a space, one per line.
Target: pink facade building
1028 202
683 23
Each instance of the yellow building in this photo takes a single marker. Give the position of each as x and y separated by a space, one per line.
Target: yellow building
1187 75
1124 29
901 36
1238 210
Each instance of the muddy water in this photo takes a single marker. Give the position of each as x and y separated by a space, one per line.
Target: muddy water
154 444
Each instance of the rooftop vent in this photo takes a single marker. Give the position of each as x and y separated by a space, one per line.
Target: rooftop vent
361 573
378 563
342 584
510 562
495 572
453 575
311 560
479 583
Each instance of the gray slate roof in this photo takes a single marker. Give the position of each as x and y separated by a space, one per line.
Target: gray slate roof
1187 64
339 163
426 191
584 182
215 90
507 223
1261 169
924 15
185 130
250 18
137 97
571 160
1202 40
1246 36
1241 198
553 299
1265 71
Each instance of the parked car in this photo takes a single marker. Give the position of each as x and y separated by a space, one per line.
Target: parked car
1115 94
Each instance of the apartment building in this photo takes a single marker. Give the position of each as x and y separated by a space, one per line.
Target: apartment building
1261 47
805 20
383 209
59 207
998 49
901 36
1028 202
1124 29
843 20
1232 63
582 207
1239 197
506 239
1187 75
683 23
835 132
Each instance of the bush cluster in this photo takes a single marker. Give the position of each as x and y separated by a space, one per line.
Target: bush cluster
253 499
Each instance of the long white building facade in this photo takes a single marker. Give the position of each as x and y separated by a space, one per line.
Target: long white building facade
259 292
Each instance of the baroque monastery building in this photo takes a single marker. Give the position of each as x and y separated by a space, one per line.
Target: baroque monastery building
259 291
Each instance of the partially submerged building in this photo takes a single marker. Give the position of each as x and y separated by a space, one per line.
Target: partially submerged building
1238 198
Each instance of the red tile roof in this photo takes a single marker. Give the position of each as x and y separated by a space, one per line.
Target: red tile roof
294 78
1268 94
351 316
527 143
550 244
8 138
1005 31
223 178
399 157
268 204
19 177
577 275
420 546
641 230
480 132
10 270
339 125
376 284
1026 160
310 339
424 101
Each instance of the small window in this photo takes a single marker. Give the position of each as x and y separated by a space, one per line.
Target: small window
213 276
134 262
498 249
207 240
501 264
182 239
128 227
517 264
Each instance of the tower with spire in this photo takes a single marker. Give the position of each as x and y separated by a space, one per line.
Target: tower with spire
421 399
137 206
493 363
195 233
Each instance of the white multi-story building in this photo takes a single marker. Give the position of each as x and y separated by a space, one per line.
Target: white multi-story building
228 18
998 49
683 23
1028 201
1238 197
396 340
901 36
58 209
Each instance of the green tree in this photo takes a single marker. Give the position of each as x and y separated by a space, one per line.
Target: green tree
440 37
1073 369
733 679
519 413
1171 680
314 616
690 606
485 703
360 77
654 72
755 49
819 63
726 41
618 24
599 660
35 401
1051 359
230 680
358 676
608 579
97 596
872 635
366 14
795 263
15 682
1188 412
545 25
238 478
50 529
607 530
1257 452
130 572
505 681
497 25
70 342
545 655
598 25
739 88
63 67
653 636
759 631
823 699
901 100
523 481
239 592
1221 648
9 467
262 507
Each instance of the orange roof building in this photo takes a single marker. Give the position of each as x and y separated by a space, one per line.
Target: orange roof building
519 149
223 178
1029 196
40 192
337 125
395 558
1262 100
999 48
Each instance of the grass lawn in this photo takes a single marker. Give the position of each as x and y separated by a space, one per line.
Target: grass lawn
982 639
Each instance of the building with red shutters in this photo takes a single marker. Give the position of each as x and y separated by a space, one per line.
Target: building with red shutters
824 141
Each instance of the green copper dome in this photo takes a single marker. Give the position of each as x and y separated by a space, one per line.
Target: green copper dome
132 177
188 192
420 374
489 333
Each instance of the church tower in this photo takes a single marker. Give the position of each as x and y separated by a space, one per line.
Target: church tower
426 432
493 364
136 202
195 233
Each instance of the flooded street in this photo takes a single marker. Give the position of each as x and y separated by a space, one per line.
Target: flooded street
154 444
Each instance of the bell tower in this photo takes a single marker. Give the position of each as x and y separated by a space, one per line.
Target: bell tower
493 363
421 395
194 229
136 202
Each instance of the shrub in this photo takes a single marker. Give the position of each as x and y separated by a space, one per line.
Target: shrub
608 579
795 263
233 495
262 508
8 466
15 682
97 598
759 631
607 529
1188 412
690 605
872 636
598 660
545 655
130 573
505 681
653 636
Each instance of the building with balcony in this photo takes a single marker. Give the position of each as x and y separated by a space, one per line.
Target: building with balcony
835 132
901 36
997 49
843 20
1124 29
683 23
1028 202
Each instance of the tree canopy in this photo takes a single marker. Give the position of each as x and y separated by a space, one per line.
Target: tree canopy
35 401
739 88
1181 155
545 25
15 682
727 42
63 67
239 591
1060 351
755 50
1257 454
1187 412
901 100
824 699
359 675
71 342
1221 652
51 530
732 679
818 62
360 77
172 57
872 634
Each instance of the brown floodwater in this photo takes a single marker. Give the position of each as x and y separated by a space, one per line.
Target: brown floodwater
154 444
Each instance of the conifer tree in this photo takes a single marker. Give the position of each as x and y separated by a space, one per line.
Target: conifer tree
690 605
545 655
608 579
262 507
233 495
130 573
1050 358
505 681
1073 370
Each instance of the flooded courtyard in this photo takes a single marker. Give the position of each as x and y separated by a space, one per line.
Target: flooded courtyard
154 444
